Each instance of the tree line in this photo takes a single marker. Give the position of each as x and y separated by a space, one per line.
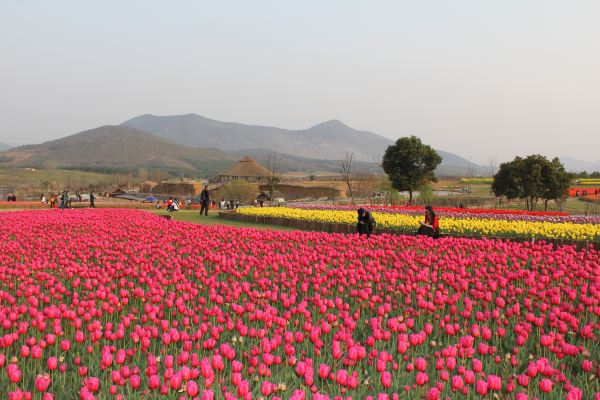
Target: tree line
410 164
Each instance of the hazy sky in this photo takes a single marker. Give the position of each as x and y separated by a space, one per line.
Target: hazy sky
478 78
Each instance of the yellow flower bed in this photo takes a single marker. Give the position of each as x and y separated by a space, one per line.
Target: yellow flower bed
465 226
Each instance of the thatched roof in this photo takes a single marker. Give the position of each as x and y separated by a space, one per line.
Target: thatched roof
246 167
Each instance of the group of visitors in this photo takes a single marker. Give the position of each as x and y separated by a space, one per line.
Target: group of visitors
64 200
429 227
172 204
11 197
229 204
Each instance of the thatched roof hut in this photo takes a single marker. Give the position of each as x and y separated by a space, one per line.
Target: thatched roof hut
246 169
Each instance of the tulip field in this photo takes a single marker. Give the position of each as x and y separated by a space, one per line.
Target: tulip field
489 223
123 304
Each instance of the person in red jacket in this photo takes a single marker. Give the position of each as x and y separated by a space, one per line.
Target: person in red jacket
431 226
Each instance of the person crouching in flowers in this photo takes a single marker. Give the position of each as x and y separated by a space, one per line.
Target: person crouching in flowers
366 222
431 226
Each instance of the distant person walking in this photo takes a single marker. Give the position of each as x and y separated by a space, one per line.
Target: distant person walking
204 201
63 200
431 226
92 199
366 222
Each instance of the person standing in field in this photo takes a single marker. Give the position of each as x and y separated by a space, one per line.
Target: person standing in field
204 201
366 222
63 200
92 199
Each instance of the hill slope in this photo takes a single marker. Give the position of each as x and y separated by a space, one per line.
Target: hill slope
575 165
117 148
327 141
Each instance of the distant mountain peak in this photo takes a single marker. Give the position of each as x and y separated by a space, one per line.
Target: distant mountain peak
328 140
331 124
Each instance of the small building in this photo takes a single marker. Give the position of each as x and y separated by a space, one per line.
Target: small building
247 170
147 186
181 188
117 191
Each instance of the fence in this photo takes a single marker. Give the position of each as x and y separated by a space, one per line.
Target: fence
345 228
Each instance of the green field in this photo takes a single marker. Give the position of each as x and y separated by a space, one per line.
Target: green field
27 180
213 219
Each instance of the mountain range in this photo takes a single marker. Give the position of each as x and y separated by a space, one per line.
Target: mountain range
329 140
326 141
575 165
4 147
197 145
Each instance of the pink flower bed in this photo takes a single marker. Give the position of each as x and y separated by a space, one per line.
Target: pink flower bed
123 304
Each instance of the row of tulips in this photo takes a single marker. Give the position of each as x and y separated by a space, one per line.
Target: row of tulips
477 213
122 304
500 228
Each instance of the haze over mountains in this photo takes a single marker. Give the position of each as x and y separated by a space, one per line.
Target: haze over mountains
4 147
326 141
198 145
575 165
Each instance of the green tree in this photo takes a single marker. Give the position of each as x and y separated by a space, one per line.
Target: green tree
238 190
506 181
555 182
531 178
426 193
410 164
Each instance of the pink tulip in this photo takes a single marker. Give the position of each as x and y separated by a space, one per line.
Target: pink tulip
420 364
191 388
457 383
42 382
135 382
545 385
422 378
481 387
386 379
52 363
13 372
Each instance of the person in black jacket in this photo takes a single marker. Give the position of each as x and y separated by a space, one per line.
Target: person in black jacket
366 222
204 201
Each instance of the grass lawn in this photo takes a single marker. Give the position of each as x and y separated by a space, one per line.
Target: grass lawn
213 219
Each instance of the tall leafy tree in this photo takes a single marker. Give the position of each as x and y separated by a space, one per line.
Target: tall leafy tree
410 164
532 178
507 181
556 181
